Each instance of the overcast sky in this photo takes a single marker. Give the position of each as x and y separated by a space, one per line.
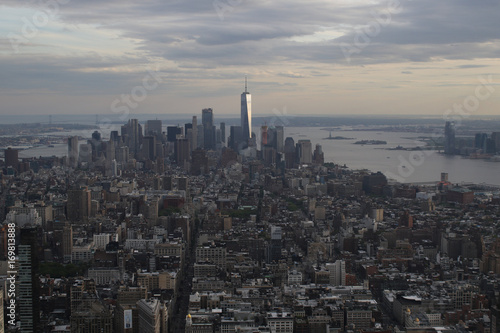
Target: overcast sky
407 57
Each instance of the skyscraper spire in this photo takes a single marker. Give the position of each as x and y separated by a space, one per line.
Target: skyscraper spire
245 83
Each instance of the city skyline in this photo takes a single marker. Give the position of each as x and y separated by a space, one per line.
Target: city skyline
322 57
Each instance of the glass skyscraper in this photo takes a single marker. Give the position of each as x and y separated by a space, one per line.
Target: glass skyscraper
246 114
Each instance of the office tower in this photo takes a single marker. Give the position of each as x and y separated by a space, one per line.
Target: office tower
12 157
97 146
167 183
153 128
181 152
304 152
194 133
188 132
122 154
449 138
480 140
29 294
132 135
263 136
96 136
207 120
235 138
489 146
78 205
200 137
271 136
149 148
187 128
289 150
67 242
275 244
114 168
110 150
318 156
73 151
172 132
278 138
114 136
268 155
246 114
218 138
337 273
149 315
223 132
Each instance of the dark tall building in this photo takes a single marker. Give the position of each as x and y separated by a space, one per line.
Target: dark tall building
194 133
278 138
318 155
246 114
489 146
207 120
96 136
275 137
12 157
149 148
268 155
67 242
235 138
115 136
188 128
480 140
275 245
78 205
72 151
449 138
29 293
218 138
172 132
223 132
200 137
182 151
289 150
263 136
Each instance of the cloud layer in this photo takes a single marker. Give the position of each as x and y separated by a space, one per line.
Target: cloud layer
203 48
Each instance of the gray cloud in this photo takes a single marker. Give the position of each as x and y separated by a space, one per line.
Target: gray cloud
292 35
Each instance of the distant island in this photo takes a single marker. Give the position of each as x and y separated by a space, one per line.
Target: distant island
370 142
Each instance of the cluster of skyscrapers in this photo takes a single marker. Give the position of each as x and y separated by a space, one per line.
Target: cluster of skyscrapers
481 145
188 146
